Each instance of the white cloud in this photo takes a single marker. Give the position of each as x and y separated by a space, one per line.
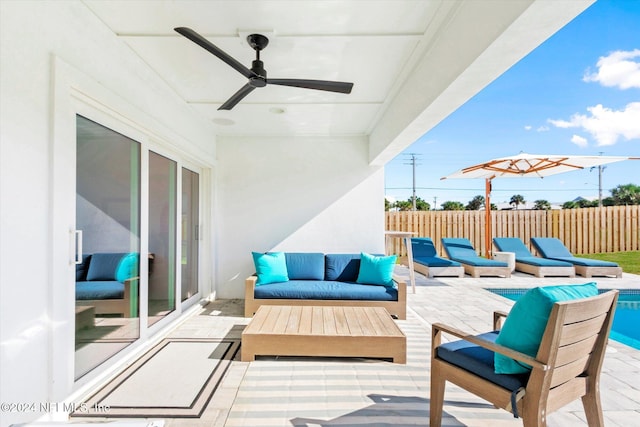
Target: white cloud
618 69
579 141
528 127
605 125
543 129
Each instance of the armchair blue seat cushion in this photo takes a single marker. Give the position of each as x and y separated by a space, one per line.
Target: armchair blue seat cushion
479 361
325 290
527 320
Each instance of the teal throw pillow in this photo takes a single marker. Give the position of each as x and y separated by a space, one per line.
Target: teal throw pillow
127 267
527 320
270 267
376 270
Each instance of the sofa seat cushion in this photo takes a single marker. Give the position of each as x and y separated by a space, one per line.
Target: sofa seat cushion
477 261
435 261
325 290
99 289
542 262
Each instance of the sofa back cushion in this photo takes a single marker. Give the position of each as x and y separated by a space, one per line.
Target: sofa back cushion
305 266
103 266
342 267
82 268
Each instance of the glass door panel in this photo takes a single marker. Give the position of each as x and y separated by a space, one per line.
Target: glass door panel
108 266
190 232
162 236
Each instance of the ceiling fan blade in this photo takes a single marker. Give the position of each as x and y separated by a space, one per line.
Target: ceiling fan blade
237 97
228 59
330 86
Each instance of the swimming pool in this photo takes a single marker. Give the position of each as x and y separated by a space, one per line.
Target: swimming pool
625 322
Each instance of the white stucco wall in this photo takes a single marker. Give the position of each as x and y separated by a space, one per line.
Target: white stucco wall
35 35
294 194
299 194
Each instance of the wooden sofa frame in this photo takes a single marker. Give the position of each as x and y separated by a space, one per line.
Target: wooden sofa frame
395 308
112 306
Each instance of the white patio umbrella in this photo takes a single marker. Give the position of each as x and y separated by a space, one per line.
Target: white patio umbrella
526 165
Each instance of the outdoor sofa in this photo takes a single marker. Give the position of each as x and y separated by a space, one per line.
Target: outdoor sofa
108 282
426 260
317 279
552 248
526 262
462 251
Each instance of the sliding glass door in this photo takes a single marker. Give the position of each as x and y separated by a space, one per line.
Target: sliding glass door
190 233
129 202
162 237
108 235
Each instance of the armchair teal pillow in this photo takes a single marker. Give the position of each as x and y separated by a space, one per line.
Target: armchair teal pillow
270 267
527 320
376 270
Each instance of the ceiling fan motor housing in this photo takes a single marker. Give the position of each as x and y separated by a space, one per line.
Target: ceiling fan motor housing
260 80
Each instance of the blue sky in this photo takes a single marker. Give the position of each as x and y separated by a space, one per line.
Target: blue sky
577 93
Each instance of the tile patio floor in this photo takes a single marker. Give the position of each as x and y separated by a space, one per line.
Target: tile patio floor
348 392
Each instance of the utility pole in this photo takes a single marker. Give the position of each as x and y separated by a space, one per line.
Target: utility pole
435 202
600 170
413 166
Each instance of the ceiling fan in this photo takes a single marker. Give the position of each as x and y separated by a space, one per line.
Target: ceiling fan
257 75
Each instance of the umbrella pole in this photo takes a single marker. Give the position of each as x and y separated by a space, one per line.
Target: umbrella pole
487 212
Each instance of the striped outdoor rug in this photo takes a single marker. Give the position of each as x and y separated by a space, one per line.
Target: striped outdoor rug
175 379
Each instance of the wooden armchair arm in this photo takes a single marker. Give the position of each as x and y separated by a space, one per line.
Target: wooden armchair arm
436 337
497 319
401 282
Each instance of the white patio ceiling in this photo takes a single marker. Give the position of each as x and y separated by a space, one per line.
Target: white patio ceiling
412 62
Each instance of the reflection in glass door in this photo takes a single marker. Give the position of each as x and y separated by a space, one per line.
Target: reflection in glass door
108 261
190 232
162 237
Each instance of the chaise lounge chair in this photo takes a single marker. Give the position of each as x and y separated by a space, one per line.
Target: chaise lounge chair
550 247
427 261
527 263
461 250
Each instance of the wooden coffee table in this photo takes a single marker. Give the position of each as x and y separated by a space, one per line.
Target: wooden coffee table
323 331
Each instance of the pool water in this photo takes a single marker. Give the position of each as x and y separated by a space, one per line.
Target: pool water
625 322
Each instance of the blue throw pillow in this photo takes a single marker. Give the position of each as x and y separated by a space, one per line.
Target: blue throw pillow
376 270
270 267
128 267
527 320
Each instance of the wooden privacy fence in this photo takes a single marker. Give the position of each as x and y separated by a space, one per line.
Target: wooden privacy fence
583 231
